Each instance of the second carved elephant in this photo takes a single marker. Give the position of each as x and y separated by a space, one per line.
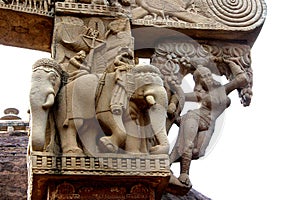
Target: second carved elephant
114 112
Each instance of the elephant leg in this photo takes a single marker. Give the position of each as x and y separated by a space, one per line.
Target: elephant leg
157 114
68 137
88 135
114 125
156 98
133 138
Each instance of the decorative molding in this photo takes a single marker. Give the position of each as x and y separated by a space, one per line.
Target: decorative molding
246 14
106 164
90 9
26 9
237 15
108 176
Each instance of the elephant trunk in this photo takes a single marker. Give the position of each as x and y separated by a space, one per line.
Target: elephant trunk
45 83
39 117
156 97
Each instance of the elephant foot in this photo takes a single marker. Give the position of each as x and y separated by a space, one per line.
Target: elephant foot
159 149
73 151
106 145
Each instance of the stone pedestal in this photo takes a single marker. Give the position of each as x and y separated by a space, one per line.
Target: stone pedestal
109 176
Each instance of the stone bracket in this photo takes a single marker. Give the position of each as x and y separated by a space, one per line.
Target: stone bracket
133 176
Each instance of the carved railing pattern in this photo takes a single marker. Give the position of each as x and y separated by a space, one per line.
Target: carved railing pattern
112 164
69 7
39 7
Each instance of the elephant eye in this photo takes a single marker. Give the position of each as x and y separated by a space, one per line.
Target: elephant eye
52 78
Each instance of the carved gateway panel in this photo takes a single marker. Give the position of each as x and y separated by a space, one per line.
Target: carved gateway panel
200 14
99 116
222 19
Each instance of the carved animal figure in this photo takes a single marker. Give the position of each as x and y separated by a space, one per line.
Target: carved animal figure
166 9
45 83
92 103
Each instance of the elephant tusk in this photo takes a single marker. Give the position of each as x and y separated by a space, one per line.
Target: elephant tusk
150 100
49 101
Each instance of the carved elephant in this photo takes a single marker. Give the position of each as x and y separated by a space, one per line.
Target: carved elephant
45 84
146 114
87 107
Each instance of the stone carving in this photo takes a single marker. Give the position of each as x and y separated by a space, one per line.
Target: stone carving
42 7
108 174
112 122
133 118
109 164
45 83
101 40
93 102
137 192
173 60
196 127
148 105
166 10
200 13
240 55
97 56
236 13
66 191
209 16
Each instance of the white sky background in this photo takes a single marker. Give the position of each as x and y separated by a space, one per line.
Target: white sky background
258 153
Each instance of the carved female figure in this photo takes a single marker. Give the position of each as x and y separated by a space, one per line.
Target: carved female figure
197 126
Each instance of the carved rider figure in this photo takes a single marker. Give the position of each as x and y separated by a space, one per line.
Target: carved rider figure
76 68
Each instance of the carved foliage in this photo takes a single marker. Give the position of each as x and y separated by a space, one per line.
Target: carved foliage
240 54
174 61
196 127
